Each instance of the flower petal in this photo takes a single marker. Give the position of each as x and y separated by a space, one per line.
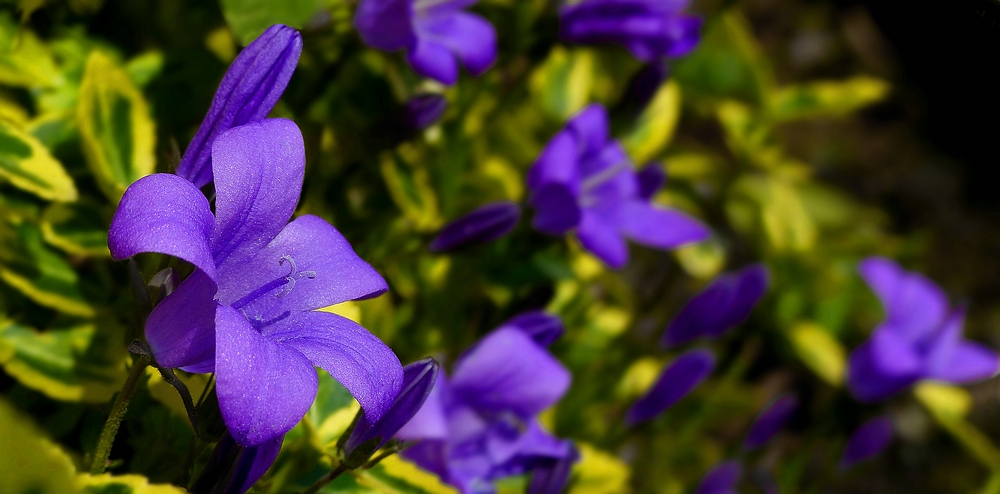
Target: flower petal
726 302
432 59
590 126
353 356
541 326
471 38
651 178
551 477
679 378
264 387
247 93
913 303
600 236
770 421
309 265
507 370
258 179
721 479
430 421
658 227
881 367
952 359
181 329
556 210
867 441
557 164
423 110
253 464
485 224
418 381
385 24
166 214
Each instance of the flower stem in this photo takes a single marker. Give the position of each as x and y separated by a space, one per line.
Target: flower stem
313 489
110 429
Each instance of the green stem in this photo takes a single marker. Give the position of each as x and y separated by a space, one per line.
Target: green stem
313 489
110 429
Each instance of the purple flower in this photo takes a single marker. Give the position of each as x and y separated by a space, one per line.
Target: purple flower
481 424
584 181
552 476
919 339
726 302
651 178
418 379
721 479
423 110
233 469
680 378
868 441
771 421
247 93
647 28
437 35
540 326
485 224
247 312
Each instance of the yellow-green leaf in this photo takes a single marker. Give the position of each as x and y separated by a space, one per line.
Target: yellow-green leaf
116 131
131 484
410 189
655 127
37 271
944 399
948 405
395 475
563 83
825 98
79 228
331 413
82 363
819 351
31 463
24 60
598 472
26 164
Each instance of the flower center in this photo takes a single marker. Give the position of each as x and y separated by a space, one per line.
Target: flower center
591 183
284 284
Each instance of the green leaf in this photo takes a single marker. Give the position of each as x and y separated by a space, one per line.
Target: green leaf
563 83
410 189
825 98
145 67
249 18
819 351
598 472
39 272
949 405
122 484
31 463
24 60
80 228
28 165
395 475
81 363
331 413
655 127
116 132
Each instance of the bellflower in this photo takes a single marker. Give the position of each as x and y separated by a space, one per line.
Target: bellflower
921 338
725 303
583 181
485 224
867 441
648 28
481 423
247 312
247 93
771 421
721 479
679 378
436 34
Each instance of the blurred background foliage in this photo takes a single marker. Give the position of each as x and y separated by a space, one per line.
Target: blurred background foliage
798 131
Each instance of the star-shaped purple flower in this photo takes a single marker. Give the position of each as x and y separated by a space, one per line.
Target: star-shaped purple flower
247 312
436 34
921 338
481 424
583 181
648 28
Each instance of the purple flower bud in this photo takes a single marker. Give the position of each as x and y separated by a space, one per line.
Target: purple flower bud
541 326
652 177
423 110
647 28
726 302
233 469
552 476
247 93
867 441
485 224
680 378
771 420
721 479
418 379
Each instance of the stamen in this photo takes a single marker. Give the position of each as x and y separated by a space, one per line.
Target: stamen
290 279
597 179
285 283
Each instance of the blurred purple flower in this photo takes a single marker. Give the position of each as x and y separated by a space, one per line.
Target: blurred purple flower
648 28
423 110
541 326
552 476
868 441
481 424
771 421
485 224
418 379
651 178
725 303
247 93
919 339
584 181
721 479
679 378
247 312
437 35
233 469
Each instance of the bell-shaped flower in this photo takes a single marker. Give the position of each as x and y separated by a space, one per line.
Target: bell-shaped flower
436 34
248 311
867 441
584 182
247 93
921 338
233 469
481 424
423 110
418 380
721 479
681 377
725 303
648 28
770 421
485 224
